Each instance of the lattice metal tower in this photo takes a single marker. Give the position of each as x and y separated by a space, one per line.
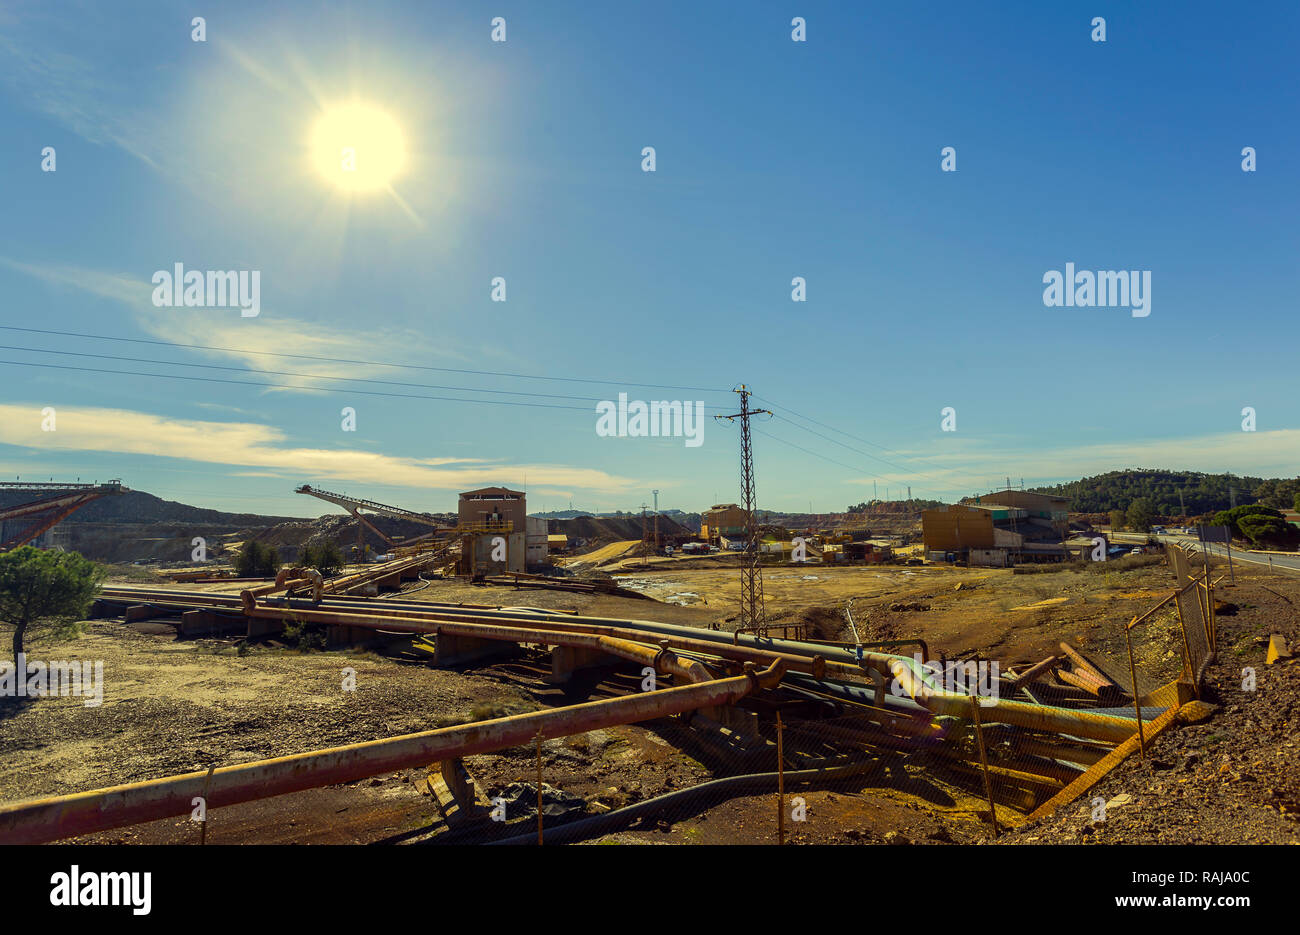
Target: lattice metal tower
656 493
645 535
752 614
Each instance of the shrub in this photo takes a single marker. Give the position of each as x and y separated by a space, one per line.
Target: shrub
256 560
1232 518
304 636
1268 530
325 558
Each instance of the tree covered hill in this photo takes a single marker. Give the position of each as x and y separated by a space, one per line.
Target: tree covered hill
1201 493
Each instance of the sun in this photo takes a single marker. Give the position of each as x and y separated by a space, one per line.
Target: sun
358 147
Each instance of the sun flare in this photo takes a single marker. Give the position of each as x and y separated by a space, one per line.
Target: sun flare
358 147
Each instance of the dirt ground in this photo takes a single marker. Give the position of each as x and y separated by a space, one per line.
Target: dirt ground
1231 779
174 705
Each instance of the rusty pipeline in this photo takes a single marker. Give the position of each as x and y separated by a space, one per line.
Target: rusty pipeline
64 816
1035 717
408 621
662 659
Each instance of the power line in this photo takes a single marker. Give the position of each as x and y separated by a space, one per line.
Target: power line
857 469
850 448
967 476
353 390
287 373
346 360
865 454
776 438
287 386
290 386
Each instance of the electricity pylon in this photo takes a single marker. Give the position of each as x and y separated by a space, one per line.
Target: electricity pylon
752 613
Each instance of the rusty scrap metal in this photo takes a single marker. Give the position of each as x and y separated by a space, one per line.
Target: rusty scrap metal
1103 766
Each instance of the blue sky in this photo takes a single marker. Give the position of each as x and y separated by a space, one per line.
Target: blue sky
775 159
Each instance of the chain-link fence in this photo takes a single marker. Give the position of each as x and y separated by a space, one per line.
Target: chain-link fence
1195 606
792 766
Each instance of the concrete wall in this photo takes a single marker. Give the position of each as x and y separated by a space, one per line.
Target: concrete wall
1005 539
993 558
481 553
537 551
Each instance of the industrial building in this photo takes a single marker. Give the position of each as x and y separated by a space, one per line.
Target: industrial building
998 529
491 512
723 520
1041 509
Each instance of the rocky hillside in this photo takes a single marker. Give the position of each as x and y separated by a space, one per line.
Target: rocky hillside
140 507
139 526
599 530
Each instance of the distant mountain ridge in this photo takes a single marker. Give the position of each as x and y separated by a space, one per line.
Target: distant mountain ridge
1115 490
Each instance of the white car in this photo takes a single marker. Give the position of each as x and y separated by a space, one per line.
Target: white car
1136 550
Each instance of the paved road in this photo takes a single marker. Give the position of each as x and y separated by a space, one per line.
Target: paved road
1289 563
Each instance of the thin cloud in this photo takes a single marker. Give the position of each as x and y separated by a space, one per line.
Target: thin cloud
120 287
255 446
231 338
1273 453
66 88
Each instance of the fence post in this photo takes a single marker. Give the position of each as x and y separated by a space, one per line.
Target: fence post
539 786
1210 623
1132 671
780 780
203 826
984 762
